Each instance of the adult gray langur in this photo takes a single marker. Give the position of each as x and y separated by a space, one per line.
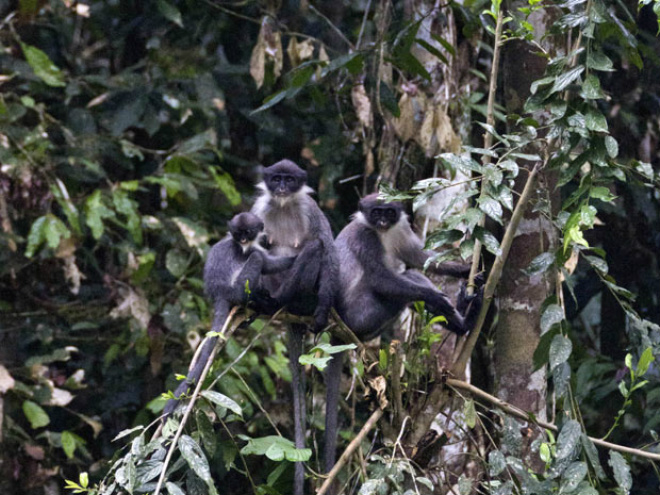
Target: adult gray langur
379 258
295 225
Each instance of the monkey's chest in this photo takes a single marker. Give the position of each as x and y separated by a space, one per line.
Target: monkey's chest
287 232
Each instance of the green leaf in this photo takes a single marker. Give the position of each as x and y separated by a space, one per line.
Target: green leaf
490 207
332 349
560 350
35 414
553 314
566 78
68 443
591 88
276 448
470 413
568 439
645 361
176 262
222 401
540 264
592 455
595 120
42 66
55 230
36 236
602 193
489 241
572 476
319 362
225 183
197 461
496 462
599 61
173 489
612 146
95 212
170 12
621 471
545 453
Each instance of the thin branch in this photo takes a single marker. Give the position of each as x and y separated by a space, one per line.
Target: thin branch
488 141
195 394
334 28
458 369
527 416
352 447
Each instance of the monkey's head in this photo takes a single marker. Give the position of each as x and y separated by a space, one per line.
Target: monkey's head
245 228
380 214
284 179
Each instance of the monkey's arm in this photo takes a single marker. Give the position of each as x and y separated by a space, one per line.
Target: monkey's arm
403 288
415 256
328 273
275 264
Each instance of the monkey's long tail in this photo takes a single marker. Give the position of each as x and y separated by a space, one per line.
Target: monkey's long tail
200 358
332 381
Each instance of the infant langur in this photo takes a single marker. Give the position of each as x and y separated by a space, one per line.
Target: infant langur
233 276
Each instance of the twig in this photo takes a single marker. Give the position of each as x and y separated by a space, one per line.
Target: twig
195 394
458 368
397 403
488 142
334 28
515 411
352 447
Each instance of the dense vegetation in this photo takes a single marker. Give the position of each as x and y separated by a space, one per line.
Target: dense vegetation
131 131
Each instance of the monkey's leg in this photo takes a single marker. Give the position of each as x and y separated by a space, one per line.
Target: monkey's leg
295 345
302 275
221 310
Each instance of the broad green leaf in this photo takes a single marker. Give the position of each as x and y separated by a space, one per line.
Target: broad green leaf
197 461
560 350
332 349
561 376
54 230
566 78
621 471
645 361
553 314
602 193
169 12
572 476
225 183
489 241
176 262
540 264
491 207
591 88
319 362
595 120
35 414
95 212
612 146
173 489
545 453
496 462
568 439
222 401
36 236
276 448
592 456
42 66
599 61
205 428
68 443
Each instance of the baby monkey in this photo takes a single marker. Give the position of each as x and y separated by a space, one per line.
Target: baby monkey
233 276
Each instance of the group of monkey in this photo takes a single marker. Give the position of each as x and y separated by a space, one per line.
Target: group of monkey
282 254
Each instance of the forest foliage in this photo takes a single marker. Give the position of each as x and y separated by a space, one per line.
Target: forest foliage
131 131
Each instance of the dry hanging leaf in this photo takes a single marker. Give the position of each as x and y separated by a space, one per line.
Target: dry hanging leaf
362 105
258 61
323 57
413 112
133 304
448 140
299 52
426 137
7 382
292 52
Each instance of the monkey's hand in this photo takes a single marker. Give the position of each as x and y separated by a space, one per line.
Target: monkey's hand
320 320
469 306
261 300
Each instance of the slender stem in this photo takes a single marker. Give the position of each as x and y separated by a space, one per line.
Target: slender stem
458 369
527 416
488 141
352 447
195 394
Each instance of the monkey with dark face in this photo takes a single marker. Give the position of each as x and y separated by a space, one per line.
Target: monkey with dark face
233 275
378 256
295 225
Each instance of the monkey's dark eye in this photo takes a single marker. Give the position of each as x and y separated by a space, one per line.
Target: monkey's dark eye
289 180
390 214
277 178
